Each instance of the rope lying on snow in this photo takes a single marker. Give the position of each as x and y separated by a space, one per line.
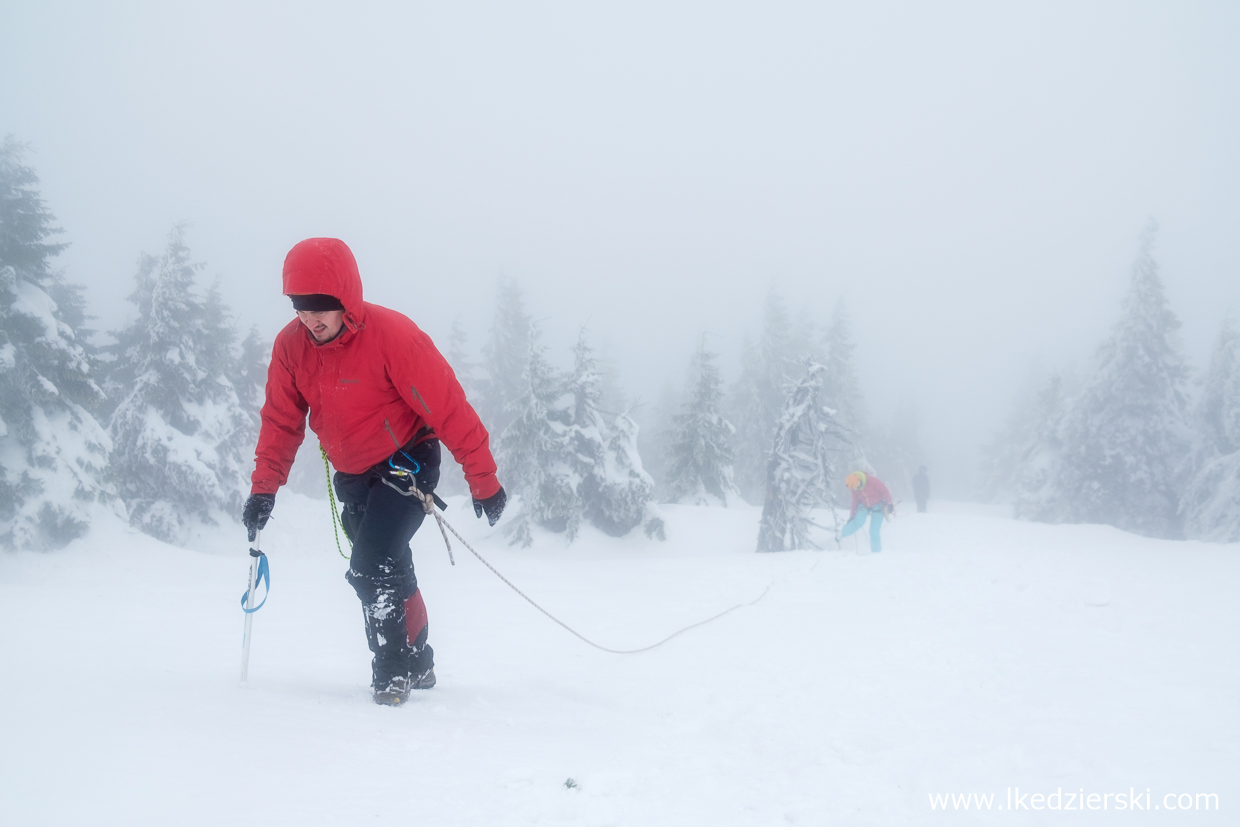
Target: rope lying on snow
582 637
428 505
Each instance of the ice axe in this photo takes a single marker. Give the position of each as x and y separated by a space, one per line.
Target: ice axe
259 572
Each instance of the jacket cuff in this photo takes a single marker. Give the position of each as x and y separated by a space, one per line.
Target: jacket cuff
484 488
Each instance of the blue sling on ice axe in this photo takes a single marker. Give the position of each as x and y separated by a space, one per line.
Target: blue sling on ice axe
259 572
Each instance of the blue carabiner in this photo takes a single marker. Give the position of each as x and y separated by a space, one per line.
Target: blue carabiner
417 466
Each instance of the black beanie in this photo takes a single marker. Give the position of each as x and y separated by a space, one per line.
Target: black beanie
316 302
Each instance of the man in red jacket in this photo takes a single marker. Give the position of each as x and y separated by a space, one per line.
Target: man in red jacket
870 498
381 399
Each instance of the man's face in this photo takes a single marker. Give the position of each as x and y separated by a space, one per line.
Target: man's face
323 325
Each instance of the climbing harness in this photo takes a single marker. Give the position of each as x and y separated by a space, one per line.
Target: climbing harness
428 500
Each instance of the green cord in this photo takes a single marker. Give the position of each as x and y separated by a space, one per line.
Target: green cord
331 498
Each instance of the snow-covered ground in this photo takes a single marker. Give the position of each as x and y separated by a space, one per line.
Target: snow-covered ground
973 655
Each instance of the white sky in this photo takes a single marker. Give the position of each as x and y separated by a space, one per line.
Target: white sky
971 177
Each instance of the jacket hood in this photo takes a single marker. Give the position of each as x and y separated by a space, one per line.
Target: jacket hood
326 265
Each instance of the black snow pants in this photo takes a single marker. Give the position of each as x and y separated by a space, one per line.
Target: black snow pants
380 522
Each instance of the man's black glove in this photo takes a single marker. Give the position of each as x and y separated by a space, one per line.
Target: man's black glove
492 505
256 512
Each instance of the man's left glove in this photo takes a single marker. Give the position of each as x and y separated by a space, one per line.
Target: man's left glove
492 505
256 512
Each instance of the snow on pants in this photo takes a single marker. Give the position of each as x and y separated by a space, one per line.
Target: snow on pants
876 522
380 522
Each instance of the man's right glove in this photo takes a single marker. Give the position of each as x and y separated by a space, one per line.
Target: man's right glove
492 505
256 512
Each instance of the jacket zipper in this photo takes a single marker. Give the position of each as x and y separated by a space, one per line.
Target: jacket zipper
418 397
392 435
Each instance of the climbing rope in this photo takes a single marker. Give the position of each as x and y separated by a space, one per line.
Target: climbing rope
428 505
331 499
582 637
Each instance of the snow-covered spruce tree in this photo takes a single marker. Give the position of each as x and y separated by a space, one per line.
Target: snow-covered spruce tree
451 475
251 383
841 390
613 489
457 354
182 440
1000 454
631 489
699 463
1032 427
53 453
1211 500
1125 436
804 465
243 367
534 451
767 369
657 421
897 448
504 359
1034 454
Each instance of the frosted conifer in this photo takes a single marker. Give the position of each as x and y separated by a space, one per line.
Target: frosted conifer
457 354
613 488
1030 465
586 435
699 466
1125 436
897 448
251 381
803 465
451 475
181 437
504 359
841 390
53 452
533 450
767 369
1211 501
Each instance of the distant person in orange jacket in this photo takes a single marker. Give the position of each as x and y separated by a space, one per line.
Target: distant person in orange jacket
870 498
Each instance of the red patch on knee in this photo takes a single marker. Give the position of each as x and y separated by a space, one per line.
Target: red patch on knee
415 616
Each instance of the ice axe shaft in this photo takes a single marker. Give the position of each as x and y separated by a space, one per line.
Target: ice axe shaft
255 556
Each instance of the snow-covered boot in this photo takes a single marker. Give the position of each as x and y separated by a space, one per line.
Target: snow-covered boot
397 690
387 637
425 680
394 693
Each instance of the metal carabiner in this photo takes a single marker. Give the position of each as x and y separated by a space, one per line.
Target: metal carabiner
402 471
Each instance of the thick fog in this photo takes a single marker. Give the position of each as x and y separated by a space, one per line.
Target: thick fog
970 179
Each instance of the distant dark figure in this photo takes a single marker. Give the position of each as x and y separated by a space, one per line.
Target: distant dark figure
921 488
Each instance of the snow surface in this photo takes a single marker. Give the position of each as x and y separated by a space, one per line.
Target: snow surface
975 653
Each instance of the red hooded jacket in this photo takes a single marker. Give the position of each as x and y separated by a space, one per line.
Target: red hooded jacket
369 391
872 494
